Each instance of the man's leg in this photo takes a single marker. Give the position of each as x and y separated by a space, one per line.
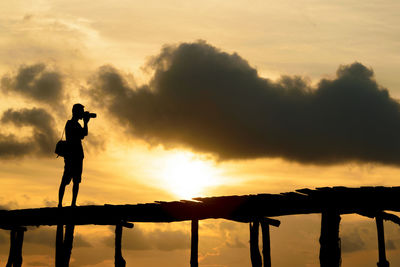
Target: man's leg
78 163
66 179
61 193
75 190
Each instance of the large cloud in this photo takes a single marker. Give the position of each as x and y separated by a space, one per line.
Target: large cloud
46 236
35 82
352 242
42 141
360 236
166 240
212 101
40 84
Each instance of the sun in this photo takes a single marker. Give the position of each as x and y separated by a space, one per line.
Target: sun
188 176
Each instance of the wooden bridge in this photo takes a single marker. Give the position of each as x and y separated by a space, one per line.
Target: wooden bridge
331 202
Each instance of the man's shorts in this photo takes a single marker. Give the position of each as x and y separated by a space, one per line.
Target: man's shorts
72 170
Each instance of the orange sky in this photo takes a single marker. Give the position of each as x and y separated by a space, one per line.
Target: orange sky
73 39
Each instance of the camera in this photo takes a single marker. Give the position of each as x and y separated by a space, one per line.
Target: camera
88 115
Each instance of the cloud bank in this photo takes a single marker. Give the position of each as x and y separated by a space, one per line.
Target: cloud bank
165 240
42 141
38 84
361 236
35 82
211 101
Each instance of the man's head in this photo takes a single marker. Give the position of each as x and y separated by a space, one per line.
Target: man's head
78 111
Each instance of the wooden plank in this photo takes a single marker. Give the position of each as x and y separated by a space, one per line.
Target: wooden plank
390 217
305 191
294 195
270 221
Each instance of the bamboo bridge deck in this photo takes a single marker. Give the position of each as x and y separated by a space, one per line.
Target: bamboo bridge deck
331 202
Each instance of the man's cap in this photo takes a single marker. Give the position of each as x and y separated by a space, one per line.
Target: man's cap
76 107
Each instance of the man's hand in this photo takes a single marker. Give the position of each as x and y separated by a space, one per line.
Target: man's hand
86 119
85 125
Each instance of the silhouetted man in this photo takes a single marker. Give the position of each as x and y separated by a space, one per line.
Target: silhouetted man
73 159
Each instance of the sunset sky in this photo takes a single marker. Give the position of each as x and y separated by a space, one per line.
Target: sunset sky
200 98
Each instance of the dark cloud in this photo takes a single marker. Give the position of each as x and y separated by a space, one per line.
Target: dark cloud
235 243
229 230
215 102
362 236
352 242
42 141
390 245
11 147
36 82
46 236
137 239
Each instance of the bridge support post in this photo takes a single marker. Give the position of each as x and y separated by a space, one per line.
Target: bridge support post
330 254
255 255
11 256
118 259
16 242
68 243
194 252
59 245
64 244
266 251
381 242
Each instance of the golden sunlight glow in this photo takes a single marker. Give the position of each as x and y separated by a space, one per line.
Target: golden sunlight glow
188 176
